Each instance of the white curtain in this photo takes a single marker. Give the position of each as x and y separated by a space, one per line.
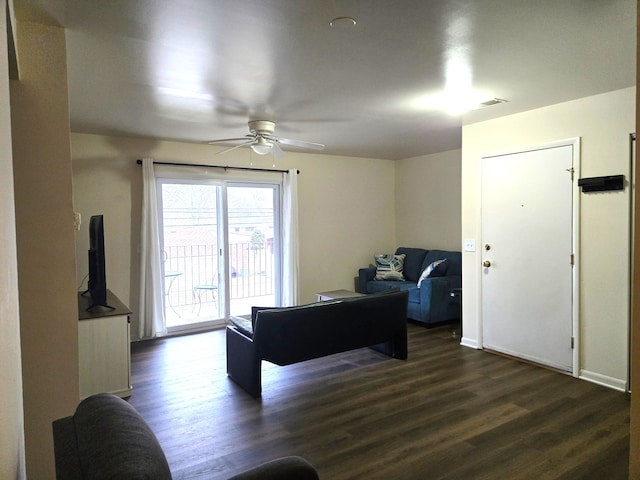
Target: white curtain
290 293
152 321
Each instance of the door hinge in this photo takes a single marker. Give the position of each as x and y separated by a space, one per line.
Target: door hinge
572 259
573 343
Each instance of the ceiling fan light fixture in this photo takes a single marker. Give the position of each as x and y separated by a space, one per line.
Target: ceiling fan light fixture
262 146
262 140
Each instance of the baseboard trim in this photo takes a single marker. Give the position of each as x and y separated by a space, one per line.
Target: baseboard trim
604 380
469 342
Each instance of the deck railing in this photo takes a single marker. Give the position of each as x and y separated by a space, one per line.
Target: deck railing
189 266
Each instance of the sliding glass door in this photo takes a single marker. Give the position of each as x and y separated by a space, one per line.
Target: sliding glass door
253 247
221 250
190 242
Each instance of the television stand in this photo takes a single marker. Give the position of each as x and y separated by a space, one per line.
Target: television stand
104 349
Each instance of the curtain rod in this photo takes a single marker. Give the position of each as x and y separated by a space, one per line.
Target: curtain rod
139 162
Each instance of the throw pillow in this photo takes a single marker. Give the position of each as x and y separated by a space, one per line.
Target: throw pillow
435 269
389 267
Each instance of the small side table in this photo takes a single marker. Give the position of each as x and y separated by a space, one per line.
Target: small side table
334 294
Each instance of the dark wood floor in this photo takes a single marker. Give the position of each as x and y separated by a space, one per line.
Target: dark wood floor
449 412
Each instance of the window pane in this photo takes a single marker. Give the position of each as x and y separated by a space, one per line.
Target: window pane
190 244
252 247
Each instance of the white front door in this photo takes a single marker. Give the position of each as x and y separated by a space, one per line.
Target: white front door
527 247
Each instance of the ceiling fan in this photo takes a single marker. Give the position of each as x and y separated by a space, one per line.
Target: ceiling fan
262 140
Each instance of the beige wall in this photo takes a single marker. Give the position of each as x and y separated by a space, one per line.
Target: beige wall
45 240
346 207
427 203
604 123
11 412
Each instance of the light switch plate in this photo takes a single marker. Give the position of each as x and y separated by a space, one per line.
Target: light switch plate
469 245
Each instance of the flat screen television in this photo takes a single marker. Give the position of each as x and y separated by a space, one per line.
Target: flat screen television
97 286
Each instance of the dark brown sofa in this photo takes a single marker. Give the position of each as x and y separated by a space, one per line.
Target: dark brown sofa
284 336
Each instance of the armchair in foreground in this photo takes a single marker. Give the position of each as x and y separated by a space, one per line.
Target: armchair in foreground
107 438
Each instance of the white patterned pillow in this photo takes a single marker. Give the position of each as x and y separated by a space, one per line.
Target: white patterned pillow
435 269
389 267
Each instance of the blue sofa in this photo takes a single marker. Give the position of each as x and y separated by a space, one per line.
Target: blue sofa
432 303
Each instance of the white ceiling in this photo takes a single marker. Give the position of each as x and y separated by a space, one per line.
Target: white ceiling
196 70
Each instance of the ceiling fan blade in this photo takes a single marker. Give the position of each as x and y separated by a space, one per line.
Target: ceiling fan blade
249 142
227 140
276 150
301 144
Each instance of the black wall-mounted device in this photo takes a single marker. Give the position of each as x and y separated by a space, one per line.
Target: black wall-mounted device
601 184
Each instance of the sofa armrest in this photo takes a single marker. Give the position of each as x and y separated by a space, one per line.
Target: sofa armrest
285 468
365 275
243 362
436 302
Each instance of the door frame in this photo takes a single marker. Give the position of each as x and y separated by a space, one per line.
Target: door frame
575 226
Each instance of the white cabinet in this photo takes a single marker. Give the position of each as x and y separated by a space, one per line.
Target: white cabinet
104 348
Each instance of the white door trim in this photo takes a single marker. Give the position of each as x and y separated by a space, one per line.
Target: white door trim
575 301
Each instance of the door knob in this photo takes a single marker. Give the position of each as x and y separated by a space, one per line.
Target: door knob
486 263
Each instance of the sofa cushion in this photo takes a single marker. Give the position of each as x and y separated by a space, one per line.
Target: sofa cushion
414 258
378 286
243 323
434 269
454 261
389 267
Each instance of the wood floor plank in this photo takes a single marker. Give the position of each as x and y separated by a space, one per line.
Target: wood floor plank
448 412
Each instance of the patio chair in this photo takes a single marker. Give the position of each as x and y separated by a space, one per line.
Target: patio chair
200 290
